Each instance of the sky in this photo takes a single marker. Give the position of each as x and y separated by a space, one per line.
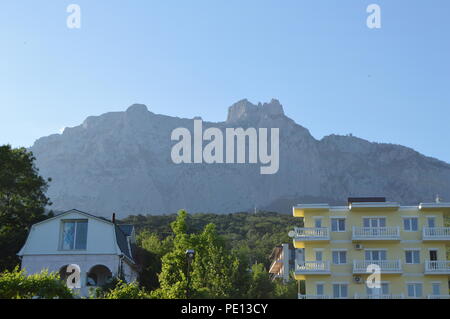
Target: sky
332 73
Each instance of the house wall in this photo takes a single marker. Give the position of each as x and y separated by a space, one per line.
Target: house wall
42 249
45 238
53 263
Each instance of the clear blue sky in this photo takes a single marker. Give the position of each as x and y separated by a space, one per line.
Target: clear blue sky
195 58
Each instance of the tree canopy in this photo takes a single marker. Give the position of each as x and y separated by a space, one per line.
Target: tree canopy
22 201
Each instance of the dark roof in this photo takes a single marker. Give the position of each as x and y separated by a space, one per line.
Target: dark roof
122 242
126 229
366 200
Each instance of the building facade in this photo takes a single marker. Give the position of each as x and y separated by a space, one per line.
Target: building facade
408 244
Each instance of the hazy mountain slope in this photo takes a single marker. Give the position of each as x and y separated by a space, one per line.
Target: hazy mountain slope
120 162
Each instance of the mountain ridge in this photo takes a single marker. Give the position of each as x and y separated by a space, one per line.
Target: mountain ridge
120 161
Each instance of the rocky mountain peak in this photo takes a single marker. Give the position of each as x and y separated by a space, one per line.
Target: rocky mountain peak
244 110
137 108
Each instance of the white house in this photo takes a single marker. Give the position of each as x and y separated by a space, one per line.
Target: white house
101 248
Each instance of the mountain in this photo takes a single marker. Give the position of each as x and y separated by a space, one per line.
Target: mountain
121 162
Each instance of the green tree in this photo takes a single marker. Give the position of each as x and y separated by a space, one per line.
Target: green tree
149 251
15 284
22 201
172 279
261 287
288 290
213 268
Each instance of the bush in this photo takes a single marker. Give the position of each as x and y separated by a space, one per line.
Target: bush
126 291
16 284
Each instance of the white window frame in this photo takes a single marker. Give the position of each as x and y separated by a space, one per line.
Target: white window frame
340 289
374 217
388 283
339 256
376 249
61 235
318 250
431 217
410 224
318 218
415 290
322 283
338 229
412 256
432 287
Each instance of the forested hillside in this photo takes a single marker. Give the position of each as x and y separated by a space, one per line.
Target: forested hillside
257 233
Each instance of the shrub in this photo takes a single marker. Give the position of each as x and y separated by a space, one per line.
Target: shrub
16 284
126 291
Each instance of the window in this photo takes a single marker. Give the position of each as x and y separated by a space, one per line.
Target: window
339 257
375 255
436 288
433 254
415 290
319 289
412 256
411 224
383 290
340 290
374 222
338 224
319 255
431 222
317 222
74 235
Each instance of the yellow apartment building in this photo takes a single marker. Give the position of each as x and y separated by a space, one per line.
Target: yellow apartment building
408 243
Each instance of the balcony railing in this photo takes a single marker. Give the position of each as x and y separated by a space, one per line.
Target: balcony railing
388 296
438 297
386 266
376 233
440 267
305 234
436 233
313 267
300 296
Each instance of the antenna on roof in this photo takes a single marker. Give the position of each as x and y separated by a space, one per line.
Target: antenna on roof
438 199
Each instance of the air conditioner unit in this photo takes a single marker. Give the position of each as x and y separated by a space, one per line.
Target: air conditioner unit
357 279
358 246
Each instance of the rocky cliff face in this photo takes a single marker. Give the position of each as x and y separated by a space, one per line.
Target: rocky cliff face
120 162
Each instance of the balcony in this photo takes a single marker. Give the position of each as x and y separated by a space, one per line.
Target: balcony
387 266
276 266
313 268
389 296
300 296
312 234
437 267
436 233
376 233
